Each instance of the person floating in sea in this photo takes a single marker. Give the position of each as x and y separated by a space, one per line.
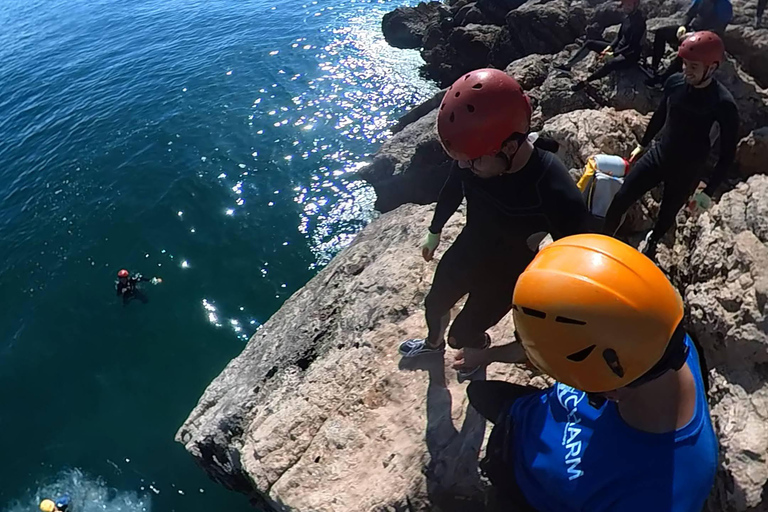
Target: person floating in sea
127 286
693 101
622 53
626 426
60 505
515 190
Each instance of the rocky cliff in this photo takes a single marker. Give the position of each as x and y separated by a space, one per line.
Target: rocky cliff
320 414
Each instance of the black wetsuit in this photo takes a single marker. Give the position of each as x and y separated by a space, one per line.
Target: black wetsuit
713 15
686 115
627 47
760 10
492 249
130 290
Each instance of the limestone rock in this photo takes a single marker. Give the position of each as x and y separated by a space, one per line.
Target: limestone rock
319 414
410 167
719 261
752 154
405 27
545 27
750 47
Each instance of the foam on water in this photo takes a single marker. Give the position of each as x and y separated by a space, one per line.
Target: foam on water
87 494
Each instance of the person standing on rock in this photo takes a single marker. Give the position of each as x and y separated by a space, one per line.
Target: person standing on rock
626 427
515 192
692 103
622 53
711 15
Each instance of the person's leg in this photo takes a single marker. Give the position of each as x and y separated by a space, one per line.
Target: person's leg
677 190
591 45
491 397
615 64
645 175
662 37
761 4
490 297
451 282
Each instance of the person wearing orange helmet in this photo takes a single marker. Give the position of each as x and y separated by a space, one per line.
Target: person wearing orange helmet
626 426
693 101
127 286
622 53
515 191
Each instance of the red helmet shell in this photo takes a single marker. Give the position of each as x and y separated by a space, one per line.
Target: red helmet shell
123 273
480 111
705 47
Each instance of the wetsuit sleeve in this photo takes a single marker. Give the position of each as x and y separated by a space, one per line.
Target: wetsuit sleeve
564 203
693 10
613 44
728 118
449 200
633 37
658 119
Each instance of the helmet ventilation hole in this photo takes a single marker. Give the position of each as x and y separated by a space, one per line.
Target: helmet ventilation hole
566 320
534 312
442 106
453 117
612 359
467 76
477 86
471 108
458 93
581 354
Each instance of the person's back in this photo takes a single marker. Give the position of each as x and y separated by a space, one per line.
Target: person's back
588 458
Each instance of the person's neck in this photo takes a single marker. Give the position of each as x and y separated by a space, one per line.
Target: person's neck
704 84
663 405
521 158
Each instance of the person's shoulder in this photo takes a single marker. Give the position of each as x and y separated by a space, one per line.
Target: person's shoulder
723 93
675 81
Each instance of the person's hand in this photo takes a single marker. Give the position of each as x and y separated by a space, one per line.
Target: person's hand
471 358
155 280
681 33
608 52
428 247
700 202
636 154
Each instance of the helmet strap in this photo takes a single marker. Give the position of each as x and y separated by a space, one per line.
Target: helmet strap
515 137
674 358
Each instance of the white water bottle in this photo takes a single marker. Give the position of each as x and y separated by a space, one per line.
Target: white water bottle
611 165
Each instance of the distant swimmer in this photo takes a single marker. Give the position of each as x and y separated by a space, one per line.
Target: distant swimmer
60 505
127 286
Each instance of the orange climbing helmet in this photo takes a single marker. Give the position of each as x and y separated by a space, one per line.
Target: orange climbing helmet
705 47
480 111
596 314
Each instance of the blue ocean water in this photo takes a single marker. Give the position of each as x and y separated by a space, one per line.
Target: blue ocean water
207 142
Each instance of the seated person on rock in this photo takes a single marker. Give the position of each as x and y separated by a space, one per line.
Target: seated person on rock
626 427
711 15
693 101
514 191
623 52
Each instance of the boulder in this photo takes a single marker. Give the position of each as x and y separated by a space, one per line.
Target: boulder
469 14
750 47
410 167
319 414
531 71
405 27
719 261
751 99
545 27
752 154
496 11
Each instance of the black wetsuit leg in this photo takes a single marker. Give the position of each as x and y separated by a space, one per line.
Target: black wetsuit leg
675 66
662 37
645 174
453 279
681 178
591 45
615 64
490 295
492 397
761 4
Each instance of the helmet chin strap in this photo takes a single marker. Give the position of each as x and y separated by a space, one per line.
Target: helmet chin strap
520 139
707 75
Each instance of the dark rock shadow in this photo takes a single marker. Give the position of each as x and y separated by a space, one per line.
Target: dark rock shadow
453 477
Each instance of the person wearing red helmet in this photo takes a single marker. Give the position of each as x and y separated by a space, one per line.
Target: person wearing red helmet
515 192
622 53
127 286
693 101
711 15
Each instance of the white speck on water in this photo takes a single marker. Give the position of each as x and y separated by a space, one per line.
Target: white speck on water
242 166
270 203
184 264
229 73
127 460
202 490
203 158
242 308
255 154
146 255
180 213
222 175
184 90
162 252
192 230
230 211
181 492
274 52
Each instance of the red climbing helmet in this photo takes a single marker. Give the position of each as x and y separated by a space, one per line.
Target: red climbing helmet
705 47
123 273
479 112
